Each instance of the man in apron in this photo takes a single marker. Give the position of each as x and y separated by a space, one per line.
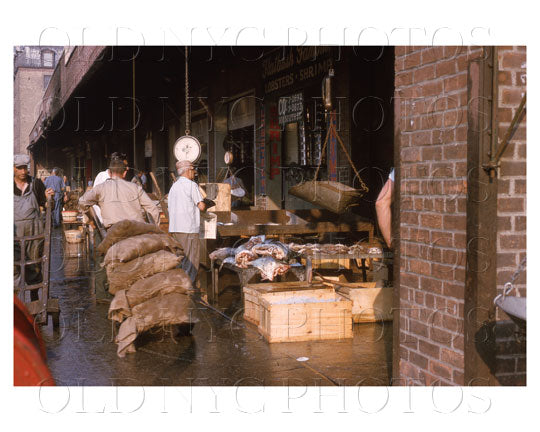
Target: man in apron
28 195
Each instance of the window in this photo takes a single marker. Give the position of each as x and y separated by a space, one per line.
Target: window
47 59
46 79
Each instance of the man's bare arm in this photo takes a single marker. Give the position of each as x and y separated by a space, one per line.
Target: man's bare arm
384 211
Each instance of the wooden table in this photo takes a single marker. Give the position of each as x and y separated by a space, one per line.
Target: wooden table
244 275
361 256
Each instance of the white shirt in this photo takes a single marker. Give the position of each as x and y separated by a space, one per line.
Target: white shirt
184 215
100 178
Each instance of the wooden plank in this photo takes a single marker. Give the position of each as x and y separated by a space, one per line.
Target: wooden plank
369 304
223 199
156 185
481 268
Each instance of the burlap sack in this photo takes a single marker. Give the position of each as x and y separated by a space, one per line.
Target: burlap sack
123 230
159 311
122 276
138 246
175 280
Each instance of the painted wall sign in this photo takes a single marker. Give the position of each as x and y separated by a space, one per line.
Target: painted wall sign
290 108
283 69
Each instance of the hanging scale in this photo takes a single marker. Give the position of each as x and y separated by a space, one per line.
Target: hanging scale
187 147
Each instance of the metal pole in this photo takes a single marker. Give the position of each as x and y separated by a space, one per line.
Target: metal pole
133 108
494 107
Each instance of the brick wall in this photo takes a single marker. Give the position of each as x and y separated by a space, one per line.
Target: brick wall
28 93
511 206
431 87
431 90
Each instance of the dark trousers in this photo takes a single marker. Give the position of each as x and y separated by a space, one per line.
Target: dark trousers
57 212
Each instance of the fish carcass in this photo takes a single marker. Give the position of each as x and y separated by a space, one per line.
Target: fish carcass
276 250
269 268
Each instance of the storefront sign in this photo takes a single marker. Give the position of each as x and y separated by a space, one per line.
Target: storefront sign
295 66
290 108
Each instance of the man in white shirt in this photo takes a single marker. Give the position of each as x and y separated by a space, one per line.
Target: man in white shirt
185 205
384 210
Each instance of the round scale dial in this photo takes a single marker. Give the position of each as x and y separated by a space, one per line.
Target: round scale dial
188 148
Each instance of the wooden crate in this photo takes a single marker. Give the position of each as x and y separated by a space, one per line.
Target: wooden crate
370 303
293 316
252 292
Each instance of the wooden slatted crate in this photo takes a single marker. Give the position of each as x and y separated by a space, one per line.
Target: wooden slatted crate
370 302
252 292
304 315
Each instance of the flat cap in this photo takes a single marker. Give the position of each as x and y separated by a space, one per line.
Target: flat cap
21 159
183 164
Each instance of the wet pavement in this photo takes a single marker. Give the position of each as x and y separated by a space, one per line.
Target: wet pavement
218 350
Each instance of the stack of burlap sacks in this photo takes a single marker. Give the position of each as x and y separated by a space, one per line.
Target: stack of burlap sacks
149 291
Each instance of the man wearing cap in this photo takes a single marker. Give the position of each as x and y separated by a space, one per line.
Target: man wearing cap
185 204
119 199
55 182
28 195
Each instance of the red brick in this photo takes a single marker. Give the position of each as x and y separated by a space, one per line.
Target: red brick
509 241
455 151
503 186
410 218
431 220
456 82
432 88
418 360
452 257
506 260
408 370
505 78
520 186
520 223
453 358
505 115
521 150
431 285
440 370
458 343
432 54
441 336
458 378
420 267
428 349
455 290
441 239
432 153
412 60
510 205
511 96
440 271
514 60
452 222
424 74
445 68
411 155
418 328
510 168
